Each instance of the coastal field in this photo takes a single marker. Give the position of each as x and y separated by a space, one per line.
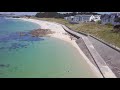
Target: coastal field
103 32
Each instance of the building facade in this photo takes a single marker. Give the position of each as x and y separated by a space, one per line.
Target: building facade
95 18
110 18
69 18
83 18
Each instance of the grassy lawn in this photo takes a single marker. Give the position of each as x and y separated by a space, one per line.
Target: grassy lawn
101 31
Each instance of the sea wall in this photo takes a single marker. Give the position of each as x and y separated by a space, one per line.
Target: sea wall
98 60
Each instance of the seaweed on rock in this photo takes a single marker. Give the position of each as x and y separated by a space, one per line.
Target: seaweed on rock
15 40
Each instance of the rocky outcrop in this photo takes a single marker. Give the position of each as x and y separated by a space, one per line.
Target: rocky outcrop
41 32
3 65
21 33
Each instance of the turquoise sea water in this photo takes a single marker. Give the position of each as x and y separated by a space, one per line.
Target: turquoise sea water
30 57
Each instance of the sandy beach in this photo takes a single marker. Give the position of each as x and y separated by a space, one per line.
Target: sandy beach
60 33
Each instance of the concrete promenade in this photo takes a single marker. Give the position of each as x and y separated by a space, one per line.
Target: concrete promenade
94 55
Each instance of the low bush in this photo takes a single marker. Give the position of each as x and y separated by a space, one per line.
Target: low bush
116 28
109 24
99 22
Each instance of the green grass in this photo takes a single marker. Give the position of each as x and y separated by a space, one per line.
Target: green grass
101 31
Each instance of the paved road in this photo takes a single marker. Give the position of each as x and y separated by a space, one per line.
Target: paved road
111 56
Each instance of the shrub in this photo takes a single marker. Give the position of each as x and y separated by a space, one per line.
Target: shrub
99 22
109 24
15 17
116 28
92 21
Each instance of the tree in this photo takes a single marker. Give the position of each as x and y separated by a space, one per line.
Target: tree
117 19
116 28
39 14
60 15
73 13
50 14
47 14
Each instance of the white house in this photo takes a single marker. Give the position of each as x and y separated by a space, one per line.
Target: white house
65 18
69 18
95 18
110 18
84 18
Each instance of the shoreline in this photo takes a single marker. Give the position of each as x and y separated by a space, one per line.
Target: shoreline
60 33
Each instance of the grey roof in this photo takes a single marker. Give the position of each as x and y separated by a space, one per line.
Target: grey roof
87 15
83 15
107 16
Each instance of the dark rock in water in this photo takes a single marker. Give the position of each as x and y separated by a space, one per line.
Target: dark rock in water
2 47
3 65
33 35
17 46
22 34
19 36
40 32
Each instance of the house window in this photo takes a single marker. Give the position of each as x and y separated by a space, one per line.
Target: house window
80 19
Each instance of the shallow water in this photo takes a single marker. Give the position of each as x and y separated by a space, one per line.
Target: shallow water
45 57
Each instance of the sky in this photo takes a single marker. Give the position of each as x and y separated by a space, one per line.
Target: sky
33 13
20 13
